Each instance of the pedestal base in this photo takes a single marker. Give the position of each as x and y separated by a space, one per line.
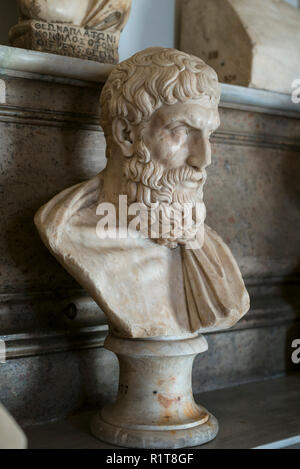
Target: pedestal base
158 439
155 407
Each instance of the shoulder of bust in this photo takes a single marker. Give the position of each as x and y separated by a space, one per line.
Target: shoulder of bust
52 217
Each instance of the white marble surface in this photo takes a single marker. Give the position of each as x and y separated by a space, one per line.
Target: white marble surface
155 407
11 435
253 98
2 92
41 63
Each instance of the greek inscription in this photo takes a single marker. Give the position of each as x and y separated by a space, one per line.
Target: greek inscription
75 41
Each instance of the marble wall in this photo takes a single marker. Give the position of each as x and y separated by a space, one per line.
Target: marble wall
51 139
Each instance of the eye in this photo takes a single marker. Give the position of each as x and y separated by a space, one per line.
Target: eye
180 130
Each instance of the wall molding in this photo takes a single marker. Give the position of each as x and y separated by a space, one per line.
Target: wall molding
274 302
36 344
257 100
248 139
48 118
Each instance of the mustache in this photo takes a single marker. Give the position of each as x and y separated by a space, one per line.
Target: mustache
155 176
180 175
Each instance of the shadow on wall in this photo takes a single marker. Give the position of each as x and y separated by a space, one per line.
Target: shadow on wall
177 22
8 17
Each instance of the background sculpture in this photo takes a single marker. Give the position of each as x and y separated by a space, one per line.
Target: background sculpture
87 29
249 43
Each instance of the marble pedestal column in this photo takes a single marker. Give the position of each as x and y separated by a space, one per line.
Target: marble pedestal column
155 407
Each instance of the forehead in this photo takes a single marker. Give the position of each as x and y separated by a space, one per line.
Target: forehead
194 113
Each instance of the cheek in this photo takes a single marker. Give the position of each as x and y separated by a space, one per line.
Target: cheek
168 149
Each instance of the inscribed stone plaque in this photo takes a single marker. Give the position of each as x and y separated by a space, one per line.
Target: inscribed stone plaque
73 41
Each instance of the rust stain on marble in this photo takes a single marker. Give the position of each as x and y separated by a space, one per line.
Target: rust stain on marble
166 401
193 412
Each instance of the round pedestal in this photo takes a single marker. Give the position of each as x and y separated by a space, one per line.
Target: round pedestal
155 407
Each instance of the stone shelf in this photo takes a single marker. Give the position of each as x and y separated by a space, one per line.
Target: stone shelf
260 414
269 102
51 67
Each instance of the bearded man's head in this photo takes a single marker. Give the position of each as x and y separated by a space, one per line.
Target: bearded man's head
160 107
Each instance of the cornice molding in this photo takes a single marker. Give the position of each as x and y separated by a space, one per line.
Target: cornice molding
40 117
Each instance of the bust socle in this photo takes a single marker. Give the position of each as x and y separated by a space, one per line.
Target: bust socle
158 110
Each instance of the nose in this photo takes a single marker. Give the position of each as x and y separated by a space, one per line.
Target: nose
199 153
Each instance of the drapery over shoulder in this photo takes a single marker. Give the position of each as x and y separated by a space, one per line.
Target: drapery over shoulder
215 292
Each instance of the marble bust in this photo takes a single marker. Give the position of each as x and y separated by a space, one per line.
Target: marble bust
158 110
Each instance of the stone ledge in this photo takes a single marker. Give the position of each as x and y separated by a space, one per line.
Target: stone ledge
259 413
44 64
36 344
51 67
268 102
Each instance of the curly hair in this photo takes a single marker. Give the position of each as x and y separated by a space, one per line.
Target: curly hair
151 78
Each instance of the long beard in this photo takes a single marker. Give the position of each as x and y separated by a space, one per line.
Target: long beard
175 214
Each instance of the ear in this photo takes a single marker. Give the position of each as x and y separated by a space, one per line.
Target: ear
123 135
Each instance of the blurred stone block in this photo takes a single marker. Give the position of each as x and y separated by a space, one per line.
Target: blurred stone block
253 44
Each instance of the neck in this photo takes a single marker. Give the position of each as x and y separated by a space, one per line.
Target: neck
113 179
